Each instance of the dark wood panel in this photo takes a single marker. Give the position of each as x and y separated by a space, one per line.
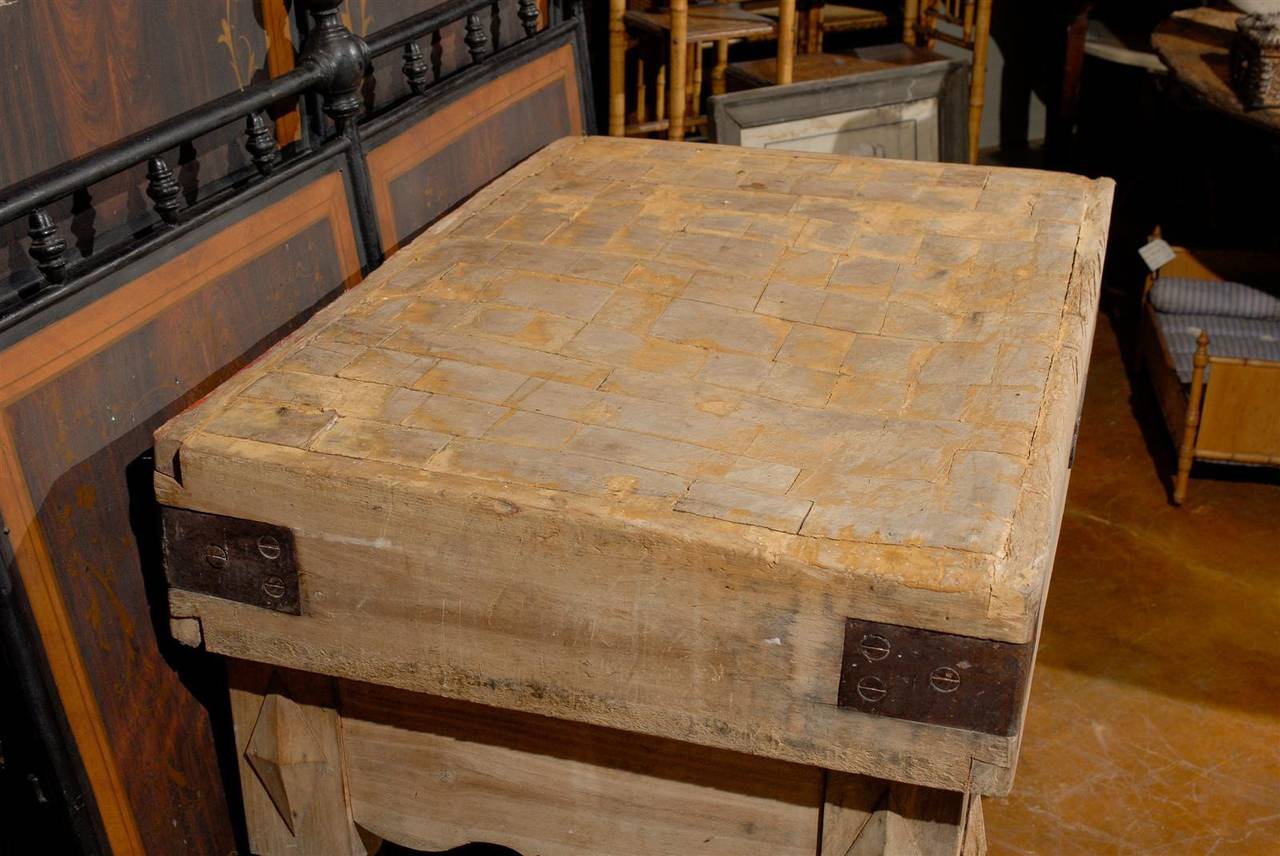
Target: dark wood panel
79 399
91 73
426 166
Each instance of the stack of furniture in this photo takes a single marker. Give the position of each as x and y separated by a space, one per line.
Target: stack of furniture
972 18
964 23
1211 346
685 32
816 18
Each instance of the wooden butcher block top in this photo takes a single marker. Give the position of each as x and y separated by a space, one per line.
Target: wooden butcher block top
632 435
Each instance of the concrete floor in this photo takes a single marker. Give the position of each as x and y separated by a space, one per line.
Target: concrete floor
1154 724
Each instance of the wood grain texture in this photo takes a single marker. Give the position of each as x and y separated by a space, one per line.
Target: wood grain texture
546 786
93 74
1241 419
658 373
79 400
869 817
291 719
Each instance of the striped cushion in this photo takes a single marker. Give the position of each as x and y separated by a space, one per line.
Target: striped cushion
1251 338
1208 297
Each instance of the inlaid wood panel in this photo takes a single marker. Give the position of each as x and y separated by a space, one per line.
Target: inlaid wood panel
425 167
94 73
79 399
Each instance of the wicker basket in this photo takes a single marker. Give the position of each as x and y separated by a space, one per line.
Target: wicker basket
1255 61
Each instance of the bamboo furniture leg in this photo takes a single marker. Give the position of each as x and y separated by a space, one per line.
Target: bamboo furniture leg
617 68
676 68
642 94
977 84
863 816
660 93
1186 450
910 12
786 40
292 768
695 87
718 70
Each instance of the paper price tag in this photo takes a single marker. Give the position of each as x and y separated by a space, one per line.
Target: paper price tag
1157 254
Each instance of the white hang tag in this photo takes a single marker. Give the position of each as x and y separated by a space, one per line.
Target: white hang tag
1157 254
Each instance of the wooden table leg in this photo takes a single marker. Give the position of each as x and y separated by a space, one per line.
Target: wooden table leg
872 817
617 68
695 87
676 68
642 93
910 12
718 70
291 763
978 81
660 93
786 40
1187 447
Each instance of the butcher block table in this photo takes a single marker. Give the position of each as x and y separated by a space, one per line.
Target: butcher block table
663 499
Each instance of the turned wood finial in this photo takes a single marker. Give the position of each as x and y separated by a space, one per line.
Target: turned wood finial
260 142
162 187
47 246
476 38
415 68
1202 349
528 15
341 55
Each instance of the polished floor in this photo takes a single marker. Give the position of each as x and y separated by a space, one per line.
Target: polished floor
1154 725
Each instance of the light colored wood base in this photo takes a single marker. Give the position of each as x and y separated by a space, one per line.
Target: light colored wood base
871 817
336 767
291 763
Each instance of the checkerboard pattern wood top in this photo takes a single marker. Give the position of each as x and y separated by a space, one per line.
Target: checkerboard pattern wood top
868 367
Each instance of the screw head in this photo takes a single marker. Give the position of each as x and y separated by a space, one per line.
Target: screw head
269 547
945 679
273 587
216 556
874 647
871 688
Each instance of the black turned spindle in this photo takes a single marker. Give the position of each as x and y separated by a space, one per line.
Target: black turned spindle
341 55
47 247
260 142
162 187
528 15
476 38
415 68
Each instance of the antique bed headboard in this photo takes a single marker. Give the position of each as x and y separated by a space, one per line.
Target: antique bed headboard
104 338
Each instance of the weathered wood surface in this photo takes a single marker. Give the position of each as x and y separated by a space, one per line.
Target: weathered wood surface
627 437
870 817
290 754
335 767
433 774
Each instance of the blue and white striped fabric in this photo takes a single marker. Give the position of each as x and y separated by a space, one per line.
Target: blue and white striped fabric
1251 338
1184 295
